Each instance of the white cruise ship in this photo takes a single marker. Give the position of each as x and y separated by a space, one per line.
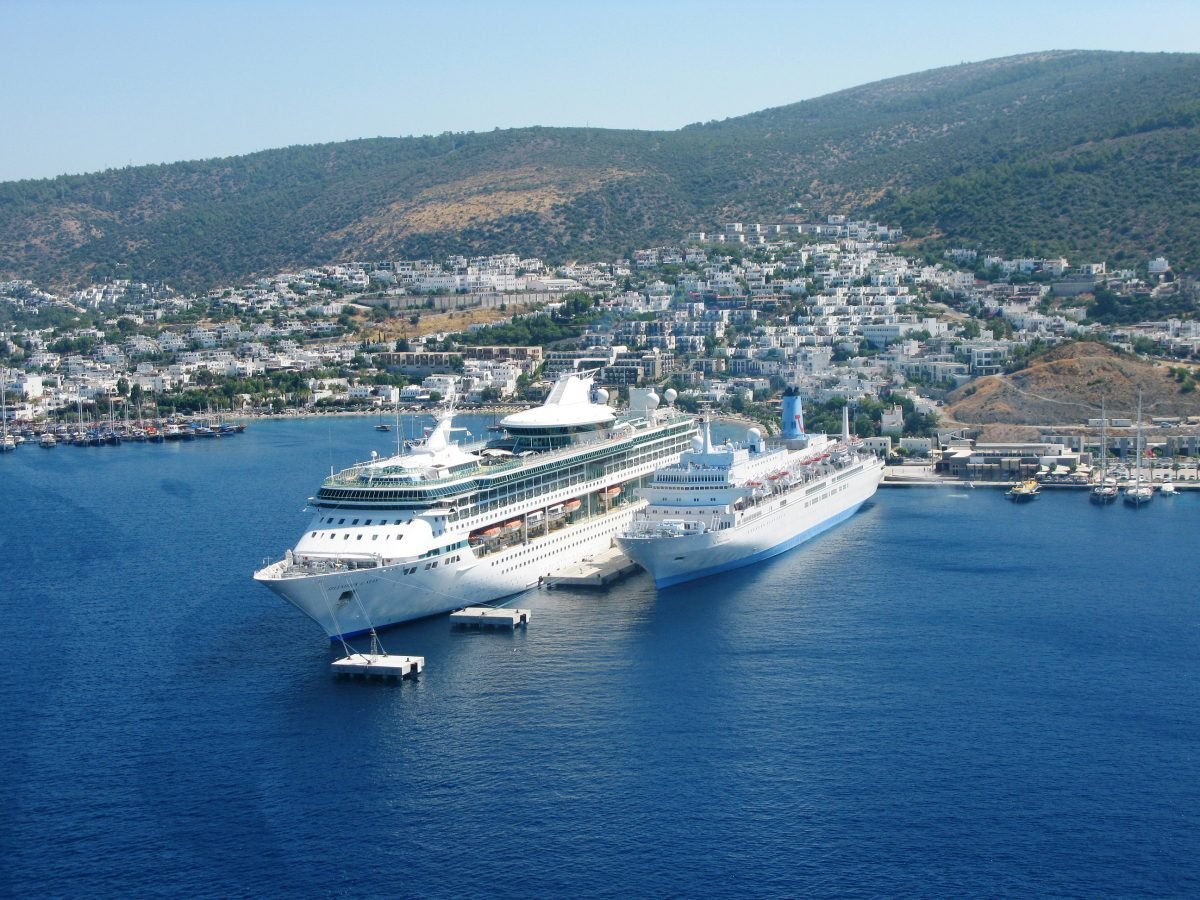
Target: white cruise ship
727 506
443 526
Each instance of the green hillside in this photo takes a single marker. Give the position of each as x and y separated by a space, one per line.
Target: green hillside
1089 154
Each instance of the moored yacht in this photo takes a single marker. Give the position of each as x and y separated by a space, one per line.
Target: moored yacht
1105 489
1140 492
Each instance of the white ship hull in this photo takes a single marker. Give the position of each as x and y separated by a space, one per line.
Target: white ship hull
773 527
348 602
444 525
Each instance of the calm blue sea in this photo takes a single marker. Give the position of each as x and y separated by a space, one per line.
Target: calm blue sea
946 696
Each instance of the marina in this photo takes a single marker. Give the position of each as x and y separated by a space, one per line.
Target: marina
115 433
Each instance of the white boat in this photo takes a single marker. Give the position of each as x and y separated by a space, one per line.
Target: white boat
1168 489
443 526
731 505
1139 493
47 440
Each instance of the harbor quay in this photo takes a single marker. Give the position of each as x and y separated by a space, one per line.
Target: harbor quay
1185 478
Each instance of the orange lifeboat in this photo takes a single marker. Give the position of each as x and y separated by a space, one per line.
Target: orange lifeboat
571 505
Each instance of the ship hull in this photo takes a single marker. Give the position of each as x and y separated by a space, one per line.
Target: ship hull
673 560
348 602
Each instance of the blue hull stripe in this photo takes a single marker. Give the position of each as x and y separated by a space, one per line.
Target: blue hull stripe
761 554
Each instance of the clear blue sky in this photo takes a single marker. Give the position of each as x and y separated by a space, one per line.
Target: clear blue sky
94 84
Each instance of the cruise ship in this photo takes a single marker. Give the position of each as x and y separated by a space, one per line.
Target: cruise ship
443 525
725 506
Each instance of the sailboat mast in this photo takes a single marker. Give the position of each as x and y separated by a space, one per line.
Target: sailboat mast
1137 479
1103 443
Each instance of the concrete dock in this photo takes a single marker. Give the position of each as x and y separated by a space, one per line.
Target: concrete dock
489 617
378 665
598 570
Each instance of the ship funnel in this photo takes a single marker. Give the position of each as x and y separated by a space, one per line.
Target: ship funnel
793 416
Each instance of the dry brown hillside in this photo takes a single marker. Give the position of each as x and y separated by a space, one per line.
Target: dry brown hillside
1065 386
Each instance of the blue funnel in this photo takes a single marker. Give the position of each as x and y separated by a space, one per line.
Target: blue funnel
793 417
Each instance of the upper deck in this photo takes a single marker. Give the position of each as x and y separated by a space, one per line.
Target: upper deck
374 482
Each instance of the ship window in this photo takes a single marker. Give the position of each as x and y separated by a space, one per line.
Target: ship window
341 521
368 522
355 522
374 537
359 538
345 537
314 534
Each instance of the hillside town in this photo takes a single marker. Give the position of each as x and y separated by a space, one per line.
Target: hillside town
728 317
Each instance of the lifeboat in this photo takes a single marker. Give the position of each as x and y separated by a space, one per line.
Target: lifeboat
612 492
571 505
512 525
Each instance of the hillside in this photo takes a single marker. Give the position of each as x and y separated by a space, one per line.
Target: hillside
1090 154
1065 385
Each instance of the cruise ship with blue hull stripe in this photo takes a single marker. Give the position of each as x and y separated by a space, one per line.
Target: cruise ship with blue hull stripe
722 507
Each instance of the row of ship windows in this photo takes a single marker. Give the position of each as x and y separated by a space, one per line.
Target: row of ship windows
621 467
346 536
808 503
329 521
412 570
589 528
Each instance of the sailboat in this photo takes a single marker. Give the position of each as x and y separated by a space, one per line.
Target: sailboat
1138 493
1104 490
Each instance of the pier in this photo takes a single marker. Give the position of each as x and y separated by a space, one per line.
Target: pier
598 570
482 617
378 665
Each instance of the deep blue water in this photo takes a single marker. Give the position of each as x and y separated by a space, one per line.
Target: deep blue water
947 695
